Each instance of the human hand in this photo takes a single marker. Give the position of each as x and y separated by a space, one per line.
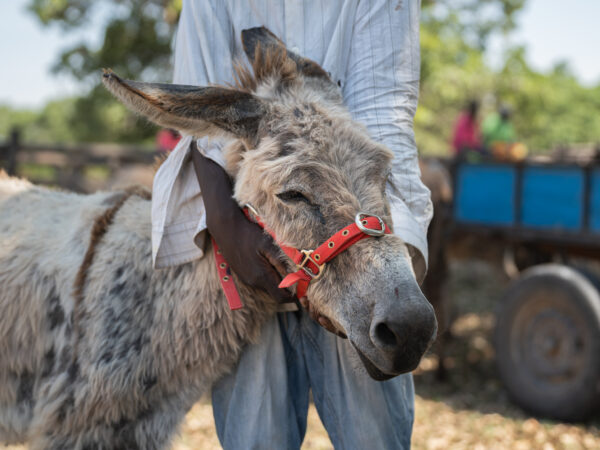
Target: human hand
251 253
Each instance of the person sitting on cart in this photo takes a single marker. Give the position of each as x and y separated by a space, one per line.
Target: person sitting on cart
466 142
498 132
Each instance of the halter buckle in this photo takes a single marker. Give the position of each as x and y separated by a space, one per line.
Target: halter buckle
370 231
308 257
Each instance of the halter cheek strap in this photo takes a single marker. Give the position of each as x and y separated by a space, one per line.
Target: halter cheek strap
310 264
231 293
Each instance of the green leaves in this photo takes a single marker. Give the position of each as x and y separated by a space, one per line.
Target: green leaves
549 109
68 12
136 42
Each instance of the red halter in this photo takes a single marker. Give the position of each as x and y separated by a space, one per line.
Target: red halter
310 264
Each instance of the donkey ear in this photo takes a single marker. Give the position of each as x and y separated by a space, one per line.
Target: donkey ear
261 40
199 111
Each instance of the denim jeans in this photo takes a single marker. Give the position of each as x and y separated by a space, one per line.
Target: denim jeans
263 403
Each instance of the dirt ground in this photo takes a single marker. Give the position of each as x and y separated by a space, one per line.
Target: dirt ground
470 410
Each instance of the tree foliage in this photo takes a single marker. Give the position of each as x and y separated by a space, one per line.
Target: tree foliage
549 109
136 38
136 43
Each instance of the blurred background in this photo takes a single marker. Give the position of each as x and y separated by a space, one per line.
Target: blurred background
532 63
537 56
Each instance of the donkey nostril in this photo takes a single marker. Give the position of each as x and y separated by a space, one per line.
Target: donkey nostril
385 335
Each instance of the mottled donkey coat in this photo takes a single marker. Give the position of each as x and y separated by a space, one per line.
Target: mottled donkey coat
123 368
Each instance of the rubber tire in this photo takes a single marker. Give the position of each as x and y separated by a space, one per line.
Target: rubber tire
565 401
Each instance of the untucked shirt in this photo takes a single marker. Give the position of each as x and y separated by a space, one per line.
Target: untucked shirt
370 48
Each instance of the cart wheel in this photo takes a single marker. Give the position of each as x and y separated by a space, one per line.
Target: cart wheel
547 341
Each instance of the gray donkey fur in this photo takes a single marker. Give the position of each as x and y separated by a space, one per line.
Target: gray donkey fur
98 350
147 345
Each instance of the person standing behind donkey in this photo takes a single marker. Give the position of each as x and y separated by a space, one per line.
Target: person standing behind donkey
371 49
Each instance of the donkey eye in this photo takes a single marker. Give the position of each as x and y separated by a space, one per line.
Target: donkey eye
293 196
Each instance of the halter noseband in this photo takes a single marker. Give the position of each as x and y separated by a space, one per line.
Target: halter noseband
310 264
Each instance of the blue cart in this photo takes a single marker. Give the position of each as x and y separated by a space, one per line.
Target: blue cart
546 217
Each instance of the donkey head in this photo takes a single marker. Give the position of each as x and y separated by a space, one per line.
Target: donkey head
300 160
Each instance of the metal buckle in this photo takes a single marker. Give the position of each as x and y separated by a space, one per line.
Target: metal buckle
371 232
307 257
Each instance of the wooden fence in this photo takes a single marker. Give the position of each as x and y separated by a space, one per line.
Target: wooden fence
70 166
88 167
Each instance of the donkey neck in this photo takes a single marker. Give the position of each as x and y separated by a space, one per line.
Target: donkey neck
195 334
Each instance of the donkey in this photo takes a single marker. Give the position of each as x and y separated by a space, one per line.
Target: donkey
98 350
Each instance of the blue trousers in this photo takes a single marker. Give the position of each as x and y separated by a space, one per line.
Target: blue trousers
263 403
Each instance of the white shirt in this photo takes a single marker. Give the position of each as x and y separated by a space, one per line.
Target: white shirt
370 47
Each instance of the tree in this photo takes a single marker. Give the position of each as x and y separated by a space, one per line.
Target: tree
473 20
549 108
136 44
454 36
